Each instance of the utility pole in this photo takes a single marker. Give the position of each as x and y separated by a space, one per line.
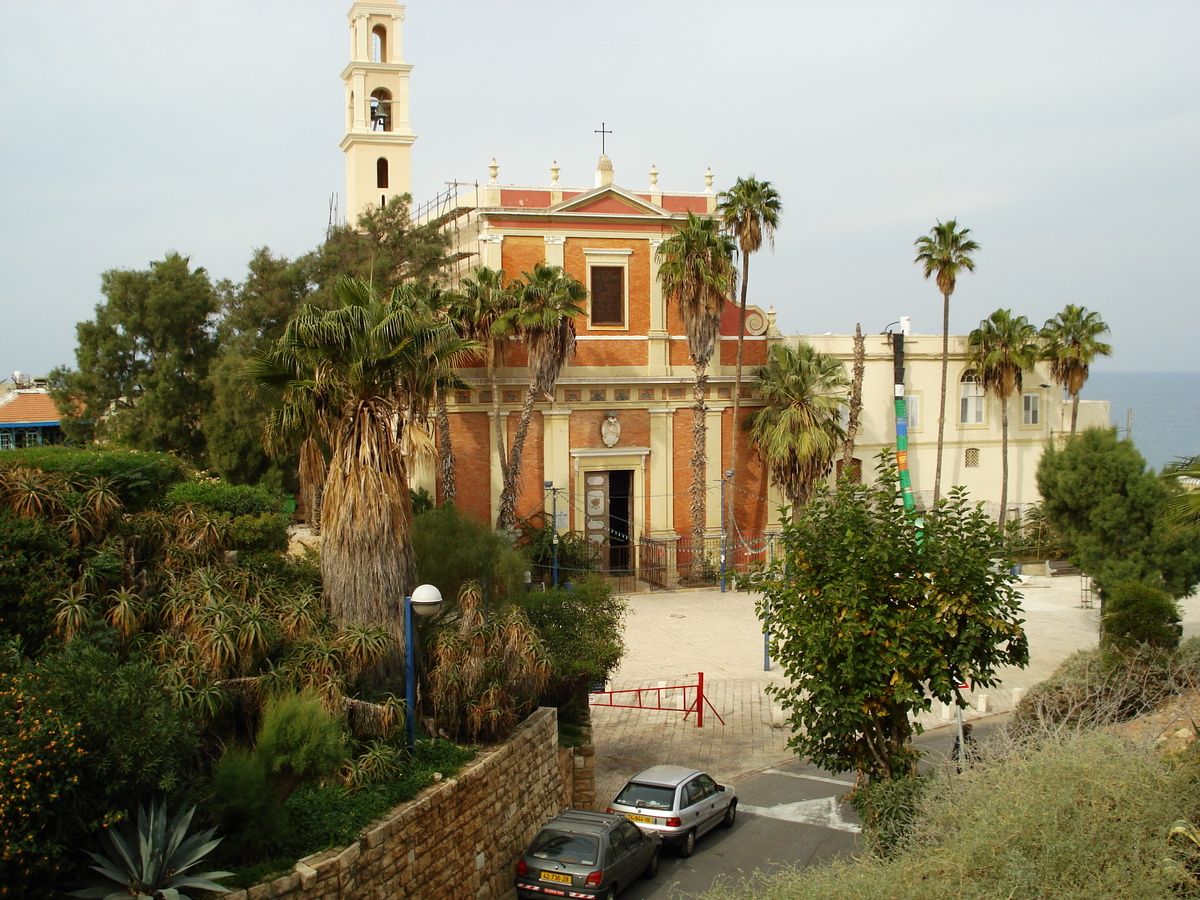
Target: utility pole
727 477
549 485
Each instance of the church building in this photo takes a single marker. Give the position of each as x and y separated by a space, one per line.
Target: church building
609 452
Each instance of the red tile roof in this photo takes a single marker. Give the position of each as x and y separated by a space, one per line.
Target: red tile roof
31 407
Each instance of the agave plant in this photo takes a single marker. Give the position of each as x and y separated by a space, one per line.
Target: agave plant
151 861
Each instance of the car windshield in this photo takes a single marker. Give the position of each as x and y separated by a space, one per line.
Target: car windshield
576 849
646 796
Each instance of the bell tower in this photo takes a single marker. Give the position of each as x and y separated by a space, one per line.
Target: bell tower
378 137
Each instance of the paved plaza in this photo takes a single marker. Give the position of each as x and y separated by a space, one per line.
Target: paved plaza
672 636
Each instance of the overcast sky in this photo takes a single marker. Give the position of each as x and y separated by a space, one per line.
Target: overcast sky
1065 135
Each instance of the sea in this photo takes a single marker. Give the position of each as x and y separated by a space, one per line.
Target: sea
1160 409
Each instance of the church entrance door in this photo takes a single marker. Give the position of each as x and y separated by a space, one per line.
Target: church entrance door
609 517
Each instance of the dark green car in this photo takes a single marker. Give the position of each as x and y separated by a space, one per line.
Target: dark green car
588 855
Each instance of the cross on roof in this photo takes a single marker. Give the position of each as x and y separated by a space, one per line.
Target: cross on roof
602 131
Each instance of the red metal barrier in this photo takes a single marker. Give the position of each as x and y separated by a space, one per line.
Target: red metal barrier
644 695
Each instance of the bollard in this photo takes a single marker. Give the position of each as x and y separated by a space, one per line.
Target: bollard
982 703
1018 695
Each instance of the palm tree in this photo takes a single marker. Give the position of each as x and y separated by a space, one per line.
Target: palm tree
1069 344
697 274
475 309
799 432
356 372
1001 349
544 317
750 213
1184 508
945 250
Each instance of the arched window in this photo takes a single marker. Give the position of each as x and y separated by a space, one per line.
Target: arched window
381 173
381 110
379 44
970 399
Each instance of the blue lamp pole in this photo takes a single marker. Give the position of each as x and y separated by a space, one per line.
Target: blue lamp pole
425 601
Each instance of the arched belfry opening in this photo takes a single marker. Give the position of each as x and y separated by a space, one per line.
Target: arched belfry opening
381 110
379 44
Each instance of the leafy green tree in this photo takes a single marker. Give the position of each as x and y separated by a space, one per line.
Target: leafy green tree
945 251
798 432
143 362
750 212
873 616
1001 349
358 375
1070 343
384 247
548 301
1107 509
253 315
697 274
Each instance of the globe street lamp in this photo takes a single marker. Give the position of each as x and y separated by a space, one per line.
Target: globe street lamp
425 600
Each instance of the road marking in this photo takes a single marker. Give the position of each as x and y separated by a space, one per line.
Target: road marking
808 777
825 813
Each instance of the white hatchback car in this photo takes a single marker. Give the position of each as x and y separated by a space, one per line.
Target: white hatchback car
680 804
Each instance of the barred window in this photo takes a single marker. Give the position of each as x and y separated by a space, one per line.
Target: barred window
971 458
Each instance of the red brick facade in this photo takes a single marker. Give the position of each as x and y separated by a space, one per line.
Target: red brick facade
637 371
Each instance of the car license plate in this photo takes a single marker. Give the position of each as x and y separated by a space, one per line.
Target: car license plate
555 876
645 819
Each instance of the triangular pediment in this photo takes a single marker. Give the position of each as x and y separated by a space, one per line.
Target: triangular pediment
609 200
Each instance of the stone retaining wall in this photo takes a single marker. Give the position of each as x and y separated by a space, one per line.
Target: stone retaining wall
458 839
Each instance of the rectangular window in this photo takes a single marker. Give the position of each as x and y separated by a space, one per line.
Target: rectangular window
608 295
1031 412
970 403
912 402
971 458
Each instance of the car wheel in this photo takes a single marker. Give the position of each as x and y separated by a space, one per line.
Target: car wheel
689 844
610 894
652 866
730 815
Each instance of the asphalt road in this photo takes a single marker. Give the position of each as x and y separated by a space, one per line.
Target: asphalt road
787 816
790 815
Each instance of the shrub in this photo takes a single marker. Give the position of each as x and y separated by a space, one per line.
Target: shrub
1078 818
1137 613
888 810
41 759
245 804
140 477
487 672
261 533
33 569
1098 687
219 496
453 550
582 633
298 741
576 554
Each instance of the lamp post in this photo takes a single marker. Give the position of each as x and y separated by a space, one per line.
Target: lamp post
425 601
